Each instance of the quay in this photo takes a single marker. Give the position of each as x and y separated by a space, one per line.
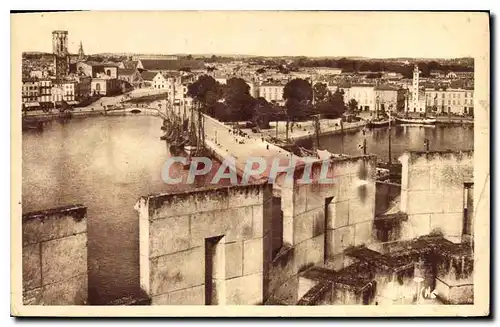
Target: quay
356 241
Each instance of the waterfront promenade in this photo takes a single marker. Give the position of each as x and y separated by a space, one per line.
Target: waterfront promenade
306 130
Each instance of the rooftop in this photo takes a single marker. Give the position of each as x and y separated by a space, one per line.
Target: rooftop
386 87
130 64
126 71
169 64
148 76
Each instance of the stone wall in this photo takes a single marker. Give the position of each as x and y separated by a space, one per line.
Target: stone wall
432 192
386 194
177 232
55 256
321 221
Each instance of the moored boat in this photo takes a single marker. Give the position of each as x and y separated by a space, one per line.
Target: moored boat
418 121
379 122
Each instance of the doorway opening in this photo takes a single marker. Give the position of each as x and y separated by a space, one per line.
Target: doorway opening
215 270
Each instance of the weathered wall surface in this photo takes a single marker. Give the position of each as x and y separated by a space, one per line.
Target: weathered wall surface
55 256
173 233
432 192
320 221
386 193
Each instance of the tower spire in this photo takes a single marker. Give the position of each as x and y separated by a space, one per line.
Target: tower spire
81 54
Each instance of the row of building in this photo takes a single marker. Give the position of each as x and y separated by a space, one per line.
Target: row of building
47 93
368 97
75 79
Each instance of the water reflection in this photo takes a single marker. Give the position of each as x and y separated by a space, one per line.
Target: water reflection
402 138
105 163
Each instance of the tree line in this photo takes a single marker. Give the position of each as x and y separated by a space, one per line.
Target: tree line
233 102
359 65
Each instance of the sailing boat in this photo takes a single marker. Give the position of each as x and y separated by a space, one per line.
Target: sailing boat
379 121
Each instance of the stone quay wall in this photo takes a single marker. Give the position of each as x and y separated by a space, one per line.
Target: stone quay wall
55 256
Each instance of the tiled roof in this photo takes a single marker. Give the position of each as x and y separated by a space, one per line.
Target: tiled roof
148 76
362 85
165 64
385 87
130 64
126 71
101 64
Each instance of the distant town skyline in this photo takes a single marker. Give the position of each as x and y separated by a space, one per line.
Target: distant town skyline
314 34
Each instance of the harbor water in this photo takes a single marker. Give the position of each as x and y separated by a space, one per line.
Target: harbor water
107 163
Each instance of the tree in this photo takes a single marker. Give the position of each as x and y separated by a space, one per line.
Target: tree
337 104
352 105
333 107
298 94
321 92
237 98
189 57
263 112
207 91
221 111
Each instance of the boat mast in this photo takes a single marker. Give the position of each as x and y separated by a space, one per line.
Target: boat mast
390 153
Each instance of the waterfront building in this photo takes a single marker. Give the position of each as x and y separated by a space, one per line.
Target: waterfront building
450 100
45 93
30 93
69 91
83 88
272 92
164 81
57 94
131 76
364 94
387 96
105 86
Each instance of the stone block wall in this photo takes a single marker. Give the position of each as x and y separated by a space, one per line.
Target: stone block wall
321 221
386 194
175 229
55 256
432 192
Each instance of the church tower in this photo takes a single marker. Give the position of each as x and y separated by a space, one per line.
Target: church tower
61 55
81 54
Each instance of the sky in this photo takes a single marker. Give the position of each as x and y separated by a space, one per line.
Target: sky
366 34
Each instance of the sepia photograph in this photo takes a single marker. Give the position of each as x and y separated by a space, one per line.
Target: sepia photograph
308 163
